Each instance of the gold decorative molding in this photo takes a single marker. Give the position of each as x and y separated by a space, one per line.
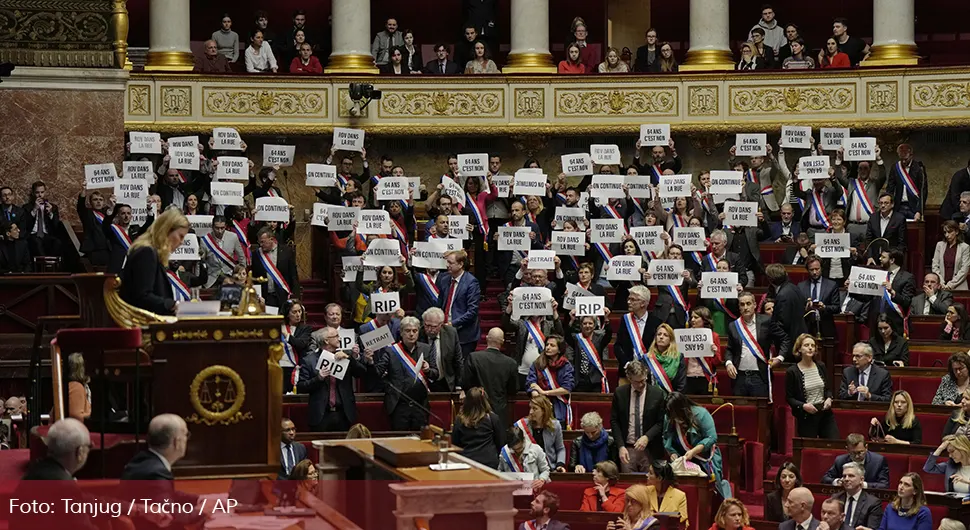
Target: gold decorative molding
530 103
76 33
242 102
344 104
708 142
139 100
195 334
245 334
467 103
939 95
530 144
176 101
119 30
882 96
210 392
646 102
703 100
829 99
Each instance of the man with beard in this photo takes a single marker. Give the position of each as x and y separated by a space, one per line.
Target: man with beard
544 506
908 184
658 161
861 190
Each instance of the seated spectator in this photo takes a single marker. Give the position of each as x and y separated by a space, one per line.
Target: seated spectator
648 53
955 382
859 507
541 428
587 55
572 64
958 453
636 512
594 446
666 62
478 430
784 51
661 484
396 65
543 507
481 62
612 64
465 49
731 515
888 348
306 63
41 221
877 470
809 392
292 50
211 62
951 259
864 381
901 426
956 324
520 457
259 55
269 36
749 59
762 50
832 57
78 391
14 251
854 47
932 300
604 496
412 53
908 511
306 472
441 65
776 502
384 41
227 40
797 254
798 60
10 211
959 421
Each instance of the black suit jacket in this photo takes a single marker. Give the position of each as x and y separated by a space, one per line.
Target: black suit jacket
790 524
286 263
51 220
828 294
894 186
116 249
47 469
959 183
144 283
880 383
789 312
895 231
451 356
44 470
299 453
319 389
867 511
904 284
391 368
498 374
623 346
769 333
451 68
14 256
651 423
94 237
943 300
877 470
146 465
16 214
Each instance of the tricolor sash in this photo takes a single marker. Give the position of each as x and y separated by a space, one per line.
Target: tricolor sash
408 362
342 181
721 304
561 197
586 345
679 221
604 251
210 243
575 262
360 242
706 368
749 176
122 236
820 209
241 234
400 232
687 446
898 309
287 347
274 273
657 172
512 461
535 333
424 279
531 216
272 192
477 213
179 289
647 523
907 180
678 297
523 424
611 212
374 180
182 178
861 196
712 261
696 256
98 216
636 335
767 190
843 200
659 375
748 339
553 384
531 525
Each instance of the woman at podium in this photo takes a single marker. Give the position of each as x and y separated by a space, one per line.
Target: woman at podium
145 281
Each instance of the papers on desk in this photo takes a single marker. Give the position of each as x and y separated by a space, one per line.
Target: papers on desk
198 309
256 522
526 480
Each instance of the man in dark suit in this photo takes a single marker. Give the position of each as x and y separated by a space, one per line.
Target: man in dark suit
889 224
14 251
719 251
42 221
833 514
827 195
931 300
494 371
787 229
291 451
640 442
959 184
799 504
861 509
962 213
658 162
408 376
460 296
332 405
117 225
445 349
10 212
901 286
626 346
908 183
283 281
172 190
442 65
482 14
877 470
94 245
750 369
743 242
821 294
789 310
544 506
865 381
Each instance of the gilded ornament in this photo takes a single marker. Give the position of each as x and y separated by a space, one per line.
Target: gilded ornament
217 334
708 142
57 33
274 334
881 96
641 102
245 333
792 99
344 104
217 394
176 101
939 95
702 101
139 100
197 334
160 336
252 102
530 144
530 103
406 103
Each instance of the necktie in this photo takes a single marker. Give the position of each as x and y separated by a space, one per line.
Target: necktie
442 67
862 382
815 290
289 463
40 223
636 415
436 352
451 300
333 392
849 512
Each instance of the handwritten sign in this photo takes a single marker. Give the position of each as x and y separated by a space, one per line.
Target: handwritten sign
651 135
320 214
385 303
590 306
865 281
531 302
860 149
719 285
604 154
145 142
607 230
514 238
473 165
690 239
503 184
429 254
99 176
377 339
226 138
625 268
186 158
813 167
232 168
694 342
327 361
675 186
351 267
376 222
272 209
832 245
573 291
321 175
529 183
831 138
577 165
348 139
458 226
638 186
393 189
740 213
278 155
190 142
542 259
569 243
608 186
726 182
131 191
751 145
648 238
666 272
342 218
188 250
796 137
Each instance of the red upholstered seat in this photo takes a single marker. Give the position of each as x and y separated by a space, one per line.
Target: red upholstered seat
600 407
922 389
570 492
98 339
931 481
850 421
815 462
932 425
925 329
899 465
929 359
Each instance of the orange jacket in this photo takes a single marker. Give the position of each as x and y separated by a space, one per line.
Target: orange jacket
615 503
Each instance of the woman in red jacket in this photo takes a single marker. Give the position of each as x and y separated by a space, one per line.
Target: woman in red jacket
306 63
572 64
700 381
832 57
732 515
604 496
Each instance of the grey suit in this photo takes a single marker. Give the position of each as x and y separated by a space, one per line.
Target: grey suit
217 267
879 383
867 511
404 415
937 307
452 359
791 525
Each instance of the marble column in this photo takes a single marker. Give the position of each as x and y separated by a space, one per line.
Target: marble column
351 38
530 38
710 48
893 28
168 37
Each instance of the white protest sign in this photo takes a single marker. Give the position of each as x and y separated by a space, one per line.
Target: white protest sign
531 301
278 155
726 182
529 183
99 176
138 171
342 217
232 168
450 243
145 142
338 369
188 250
321 175
604 154
514 238
638 186
131 191
573 292
675 186
383 252
866 281
666 272
414 185
794 137
832 245
651 135
226 138
569 243
453 190
226 193
813 167
348 139
202 224
503 183
186 158
429 254
607 230
608 186
352 265
751 144
377 339
694 342
458 226
590 306
385 303
577 165
347 338
393 189
542 259
320 214
859 149
690 239
272 209
566 213
740 213
831 138
376 222
625 268
191 142
648 238
719 285
473 165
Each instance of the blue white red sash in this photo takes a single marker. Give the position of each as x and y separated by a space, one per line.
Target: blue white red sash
706 368
397 227
721 304
179 289
98 216
660 377
656 172
477 213
182 178
575 262
749 176
679 221
512 461
274 273
561 197
819 208
531 216
374 180
604 251
287 347
210 243
647 523
342 181
523 424
711 261
424 279
122 236
553 384
531 525
243 240
272 192
687 446
408 362
535 333
860 195
907 180
696 256
898 309
678 297
360 242
748 339
767 190
801 203
610 211
592 355
636 335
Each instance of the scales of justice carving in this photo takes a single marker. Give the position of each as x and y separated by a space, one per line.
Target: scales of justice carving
217 394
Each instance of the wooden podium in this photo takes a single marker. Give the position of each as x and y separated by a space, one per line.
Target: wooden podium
222 375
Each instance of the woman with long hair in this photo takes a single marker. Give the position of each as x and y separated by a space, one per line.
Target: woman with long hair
809 392
295 336
666 364
396 64
959 421
732 515
957 466
956 324
145 282
750 60
541 428
414 61
589 340
386 282
78 389
552 375
481 62
701 371
888 347
604 496
612 64
908 511
572 64
832 57
956 382
951 258
478 430
689 433
621 288
901 426
193 206
787 479
799 60
665 497
665 62
306 473
636 512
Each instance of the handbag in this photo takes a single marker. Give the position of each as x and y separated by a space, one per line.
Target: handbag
877 433
686 468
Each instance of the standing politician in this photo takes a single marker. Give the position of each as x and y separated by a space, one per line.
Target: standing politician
145 282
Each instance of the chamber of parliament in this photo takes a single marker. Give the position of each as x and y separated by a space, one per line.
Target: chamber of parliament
485 265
